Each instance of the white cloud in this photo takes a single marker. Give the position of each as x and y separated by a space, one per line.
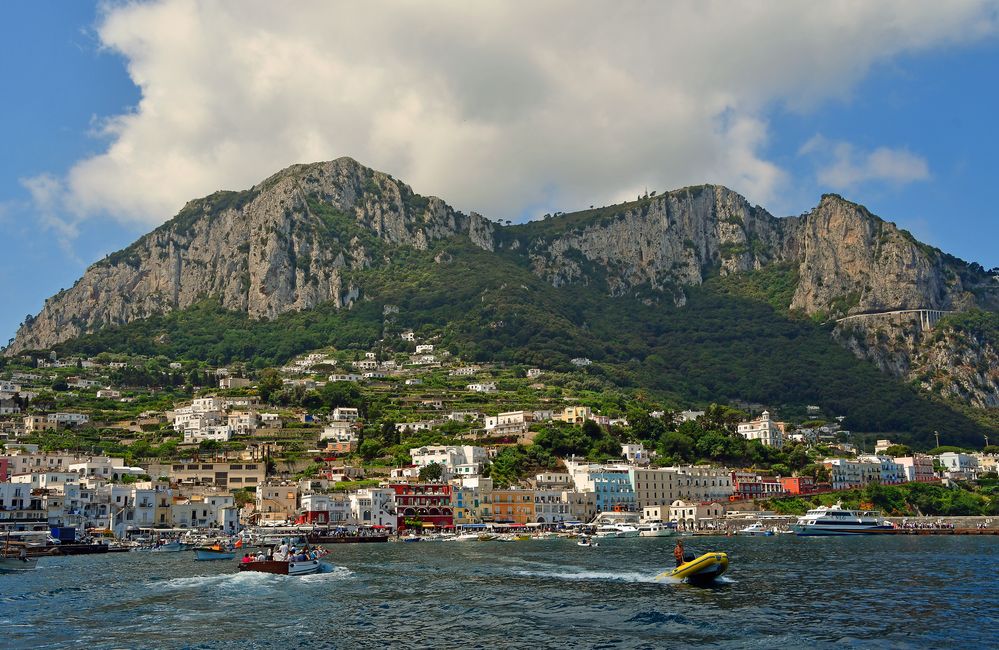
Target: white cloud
493 106
844 167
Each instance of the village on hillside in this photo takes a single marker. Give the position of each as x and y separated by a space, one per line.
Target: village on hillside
405 437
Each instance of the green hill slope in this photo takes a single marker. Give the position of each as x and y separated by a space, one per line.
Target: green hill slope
732 341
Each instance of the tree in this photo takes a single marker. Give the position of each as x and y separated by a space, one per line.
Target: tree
896 451
431 473
780 469
269 384
370 449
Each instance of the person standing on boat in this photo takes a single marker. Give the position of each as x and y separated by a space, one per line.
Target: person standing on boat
678 552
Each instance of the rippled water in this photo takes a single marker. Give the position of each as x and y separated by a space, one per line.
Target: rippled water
817 592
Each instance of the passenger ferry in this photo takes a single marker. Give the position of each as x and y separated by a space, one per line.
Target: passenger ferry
835 520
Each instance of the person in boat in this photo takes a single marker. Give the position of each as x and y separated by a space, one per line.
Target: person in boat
23 555
678 552
246 558
260 556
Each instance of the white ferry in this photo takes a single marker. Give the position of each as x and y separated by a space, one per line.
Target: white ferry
835 520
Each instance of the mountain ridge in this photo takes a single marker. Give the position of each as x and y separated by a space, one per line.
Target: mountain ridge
266 250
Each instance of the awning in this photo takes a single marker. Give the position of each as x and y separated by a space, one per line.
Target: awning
427 525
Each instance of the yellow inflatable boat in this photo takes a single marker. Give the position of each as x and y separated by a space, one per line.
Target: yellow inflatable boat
701 569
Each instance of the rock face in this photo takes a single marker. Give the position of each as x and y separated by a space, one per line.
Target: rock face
293 241
853 262
283 245
949 361
663 243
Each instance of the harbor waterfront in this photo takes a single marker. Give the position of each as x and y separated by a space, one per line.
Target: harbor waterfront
897 591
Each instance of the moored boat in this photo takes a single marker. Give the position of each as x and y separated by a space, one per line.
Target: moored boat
656 529
836 520
755 530
214 553
617 531
17 564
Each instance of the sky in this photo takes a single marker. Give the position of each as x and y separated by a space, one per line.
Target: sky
114 114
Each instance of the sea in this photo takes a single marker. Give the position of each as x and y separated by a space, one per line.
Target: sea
781 591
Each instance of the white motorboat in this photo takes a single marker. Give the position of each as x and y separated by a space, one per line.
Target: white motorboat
656 529
586 542
755 530
617 531
836 520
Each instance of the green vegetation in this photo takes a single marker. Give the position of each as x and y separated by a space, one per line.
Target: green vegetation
908 499
732 342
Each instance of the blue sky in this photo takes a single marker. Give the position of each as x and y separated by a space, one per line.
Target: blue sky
906 128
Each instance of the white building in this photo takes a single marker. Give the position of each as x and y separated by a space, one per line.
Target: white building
465 460
890 472
424 349
511 422
768 432
636 454
959 465
346 376
482 388
68 419
846 474
344 414
220 433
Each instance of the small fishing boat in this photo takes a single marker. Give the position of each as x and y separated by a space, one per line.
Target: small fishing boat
170 547
699 570
586 542
17 565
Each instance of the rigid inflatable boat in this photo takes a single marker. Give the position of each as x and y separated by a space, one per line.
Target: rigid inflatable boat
701 569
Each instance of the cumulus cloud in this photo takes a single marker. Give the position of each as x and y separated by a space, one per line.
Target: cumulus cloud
495 106
846 167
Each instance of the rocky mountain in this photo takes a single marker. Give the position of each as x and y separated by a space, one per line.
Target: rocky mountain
300 239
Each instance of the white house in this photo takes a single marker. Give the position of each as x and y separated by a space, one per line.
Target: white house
345 414
768 432
482 388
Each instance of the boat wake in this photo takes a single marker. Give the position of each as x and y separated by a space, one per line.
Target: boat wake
329 572
614 576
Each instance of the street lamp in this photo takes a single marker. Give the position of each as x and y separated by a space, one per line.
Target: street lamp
937 434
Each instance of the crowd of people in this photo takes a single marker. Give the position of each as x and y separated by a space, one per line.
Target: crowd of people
285 553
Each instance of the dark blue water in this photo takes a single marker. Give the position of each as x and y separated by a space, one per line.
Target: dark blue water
780 591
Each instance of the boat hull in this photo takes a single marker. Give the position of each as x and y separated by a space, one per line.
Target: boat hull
206 554
699 570
827 531
17 565
304 568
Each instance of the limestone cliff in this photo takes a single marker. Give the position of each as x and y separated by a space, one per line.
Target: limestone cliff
283 245
661 242
957 358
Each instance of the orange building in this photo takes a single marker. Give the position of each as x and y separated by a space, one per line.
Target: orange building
798 484
513 506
